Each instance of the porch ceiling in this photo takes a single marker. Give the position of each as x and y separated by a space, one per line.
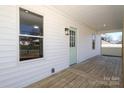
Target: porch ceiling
99 17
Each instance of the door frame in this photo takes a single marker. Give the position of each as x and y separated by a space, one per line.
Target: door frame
76 37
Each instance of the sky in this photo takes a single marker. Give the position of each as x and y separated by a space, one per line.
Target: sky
115 35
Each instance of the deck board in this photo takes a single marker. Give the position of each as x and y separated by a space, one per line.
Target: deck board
99 71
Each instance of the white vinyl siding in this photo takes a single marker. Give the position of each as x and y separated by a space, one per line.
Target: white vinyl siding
8 35
56 46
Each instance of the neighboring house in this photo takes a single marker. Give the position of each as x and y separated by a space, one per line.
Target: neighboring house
34 44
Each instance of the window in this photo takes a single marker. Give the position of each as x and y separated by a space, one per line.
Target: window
31 35
72 38
93 41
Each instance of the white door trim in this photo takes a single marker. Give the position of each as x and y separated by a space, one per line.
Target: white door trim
76 44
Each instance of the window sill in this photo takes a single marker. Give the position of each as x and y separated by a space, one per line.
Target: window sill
32 60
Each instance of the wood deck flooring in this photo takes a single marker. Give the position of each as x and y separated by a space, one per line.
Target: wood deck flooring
97 72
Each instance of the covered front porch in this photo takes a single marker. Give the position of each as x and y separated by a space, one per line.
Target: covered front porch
99 71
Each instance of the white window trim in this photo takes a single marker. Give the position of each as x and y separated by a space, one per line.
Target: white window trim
25 35
18 34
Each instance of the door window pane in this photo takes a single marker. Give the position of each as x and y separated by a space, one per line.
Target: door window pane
93 41
72 39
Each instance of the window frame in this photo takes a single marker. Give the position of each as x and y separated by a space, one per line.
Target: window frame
32 36
93 41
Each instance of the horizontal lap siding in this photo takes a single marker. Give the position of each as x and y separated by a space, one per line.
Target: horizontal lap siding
8 36
56 46
85 50
20 74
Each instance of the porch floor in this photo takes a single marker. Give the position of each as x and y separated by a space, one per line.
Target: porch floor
99 72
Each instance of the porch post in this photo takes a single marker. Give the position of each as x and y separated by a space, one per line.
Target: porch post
122 82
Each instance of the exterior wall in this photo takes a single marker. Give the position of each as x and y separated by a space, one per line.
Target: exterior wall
85 44
56 46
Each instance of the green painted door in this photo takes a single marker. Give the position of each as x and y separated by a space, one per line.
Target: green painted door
73 50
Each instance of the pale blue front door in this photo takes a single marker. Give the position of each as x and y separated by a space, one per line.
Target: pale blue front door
73 49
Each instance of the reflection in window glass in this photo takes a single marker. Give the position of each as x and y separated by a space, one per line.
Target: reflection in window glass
30 48
31 35
29 30
30 23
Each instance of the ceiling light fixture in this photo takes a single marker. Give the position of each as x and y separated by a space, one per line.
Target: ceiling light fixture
36 27
104 25
26 11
